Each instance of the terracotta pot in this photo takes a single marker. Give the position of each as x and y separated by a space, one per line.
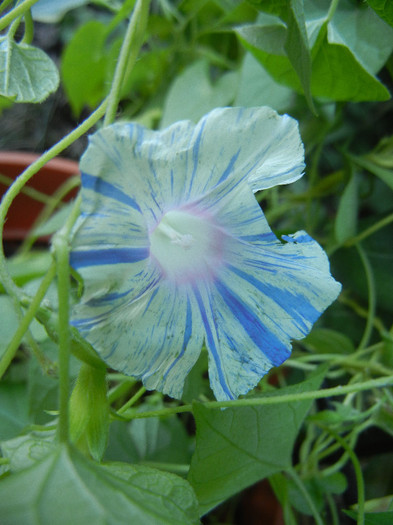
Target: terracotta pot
24 209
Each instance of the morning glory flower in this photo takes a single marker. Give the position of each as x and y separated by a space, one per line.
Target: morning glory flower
175 251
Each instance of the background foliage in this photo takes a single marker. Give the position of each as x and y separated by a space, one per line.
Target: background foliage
320 428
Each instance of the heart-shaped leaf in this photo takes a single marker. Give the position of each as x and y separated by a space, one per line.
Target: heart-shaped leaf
27 74
67 488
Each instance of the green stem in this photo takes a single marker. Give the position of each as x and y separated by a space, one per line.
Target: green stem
341 361
61 248
29 28
63 288
369 231
357 469
20 182
37 195
19 10
176 468
299 483
120 390
27 319
132 400
11 32
55 202
128 54
271 400
332 10
371 297
5 4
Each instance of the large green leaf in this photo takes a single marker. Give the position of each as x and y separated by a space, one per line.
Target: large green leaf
83 66
151 439
345 53
346 219
384 8
24 451
258 88
192 94
13 409
27 74
328 341
297 46
67 488
385 174
374 518
50 12
239 446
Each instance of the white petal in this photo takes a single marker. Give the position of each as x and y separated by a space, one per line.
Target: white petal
155 337
269 295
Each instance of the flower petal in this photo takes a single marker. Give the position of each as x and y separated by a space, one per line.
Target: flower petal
269 296
173 248
153 337
256 144
155 171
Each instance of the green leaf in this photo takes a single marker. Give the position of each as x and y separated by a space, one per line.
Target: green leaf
83 66
383 8
192 94
160 440
149 439
374 518
89 411
50 12
383 418
382 154
25 451
27 74
341 415
13 409
28 266
279 483
55 221
297 47
385 174
279 39
258 88
229 458
42 387
345 53
9 322
327 341
335 483
270 6
346 219
197 385
67 488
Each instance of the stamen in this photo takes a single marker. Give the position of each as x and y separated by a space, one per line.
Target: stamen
187 246
183 240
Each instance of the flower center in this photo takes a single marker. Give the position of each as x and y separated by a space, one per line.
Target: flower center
187 246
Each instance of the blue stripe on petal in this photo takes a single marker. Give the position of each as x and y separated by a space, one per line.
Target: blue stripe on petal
298 306
228 170
274 349
101 257
195 152
91 182
212 345
187 336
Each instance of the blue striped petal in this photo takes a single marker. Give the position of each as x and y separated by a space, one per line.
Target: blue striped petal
155 171
154 337
254 144
174 250
257 305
